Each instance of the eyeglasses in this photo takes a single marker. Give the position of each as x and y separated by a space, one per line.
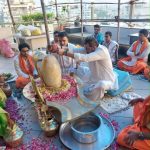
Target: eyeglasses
25 51
106 36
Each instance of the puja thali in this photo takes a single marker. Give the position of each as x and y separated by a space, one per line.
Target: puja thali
72 109
106 135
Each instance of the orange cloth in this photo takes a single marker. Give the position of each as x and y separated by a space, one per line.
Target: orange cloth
144 116
139 67
140 64
143 47
28 70
147 73
141 118
21 82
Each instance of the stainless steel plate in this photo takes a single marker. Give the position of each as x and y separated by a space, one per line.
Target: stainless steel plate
106 135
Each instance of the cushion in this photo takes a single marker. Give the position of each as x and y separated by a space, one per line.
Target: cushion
124 82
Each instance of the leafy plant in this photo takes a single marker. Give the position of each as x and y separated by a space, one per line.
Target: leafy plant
36 17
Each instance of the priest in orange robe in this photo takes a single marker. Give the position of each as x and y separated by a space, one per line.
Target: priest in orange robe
147 69
137 136
137 55
24 66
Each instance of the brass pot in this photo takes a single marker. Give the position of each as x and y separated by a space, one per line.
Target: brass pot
15 143
15 138
50 124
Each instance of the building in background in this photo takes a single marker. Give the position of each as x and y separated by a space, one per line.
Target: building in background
18 8
2 11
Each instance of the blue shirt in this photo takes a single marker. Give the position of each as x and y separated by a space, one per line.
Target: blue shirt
99 37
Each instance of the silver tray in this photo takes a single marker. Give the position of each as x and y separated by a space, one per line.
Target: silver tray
105 137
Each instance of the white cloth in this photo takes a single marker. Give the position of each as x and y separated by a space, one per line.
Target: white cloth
101 70
112 46
134 58
144 55
19 71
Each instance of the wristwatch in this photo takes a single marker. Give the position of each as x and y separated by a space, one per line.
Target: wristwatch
65 52
141 136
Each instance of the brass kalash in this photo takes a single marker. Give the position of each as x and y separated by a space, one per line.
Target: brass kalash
47 115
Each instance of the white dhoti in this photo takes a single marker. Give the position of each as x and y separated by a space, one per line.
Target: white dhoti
96 91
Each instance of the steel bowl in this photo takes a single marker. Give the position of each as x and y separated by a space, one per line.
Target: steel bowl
85 129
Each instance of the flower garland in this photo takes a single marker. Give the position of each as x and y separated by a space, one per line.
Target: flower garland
63 94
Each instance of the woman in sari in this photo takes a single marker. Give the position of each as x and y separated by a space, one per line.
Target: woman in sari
24 66
137 136
137 55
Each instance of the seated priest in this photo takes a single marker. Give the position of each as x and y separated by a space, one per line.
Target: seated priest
137 136
112 46
66 63
147 69
137 55
24 66
102 76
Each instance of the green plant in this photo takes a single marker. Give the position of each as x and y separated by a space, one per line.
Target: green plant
36 17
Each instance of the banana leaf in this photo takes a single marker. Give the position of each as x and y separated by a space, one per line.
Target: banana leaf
2 98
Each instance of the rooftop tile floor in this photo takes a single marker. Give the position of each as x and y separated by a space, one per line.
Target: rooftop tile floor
124 118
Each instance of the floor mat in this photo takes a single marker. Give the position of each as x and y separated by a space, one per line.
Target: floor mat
118 103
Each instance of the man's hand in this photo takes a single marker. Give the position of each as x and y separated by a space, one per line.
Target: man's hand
61 51
131 137
135 101
53 48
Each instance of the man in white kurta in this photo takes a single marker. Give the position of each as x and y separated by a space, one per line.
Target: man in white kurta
68 64
102 77
111 45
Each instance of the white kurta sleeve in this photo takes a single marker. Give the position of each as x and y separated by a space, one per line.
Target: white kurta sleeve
18 69
113 50
94 56
129 52
79 50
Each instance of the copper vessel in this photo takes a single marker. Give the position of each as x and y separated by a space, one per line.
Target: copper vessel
14 139
7 90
